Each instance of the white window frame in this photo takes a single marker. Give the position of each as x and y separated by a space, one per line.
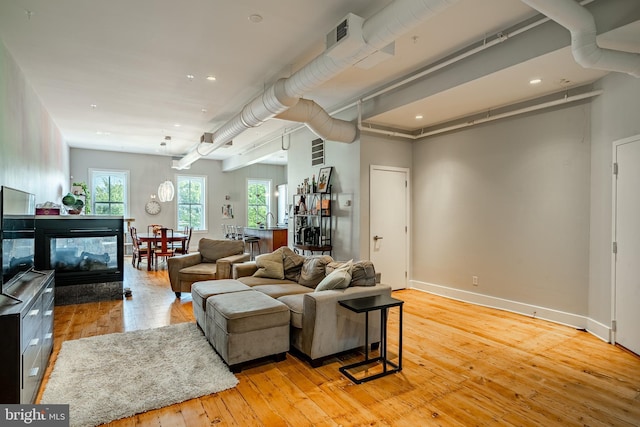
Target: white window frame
111 172
203 179
269 185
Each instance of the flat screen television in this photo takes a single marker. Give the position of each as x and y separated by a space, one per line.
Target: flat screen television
17 230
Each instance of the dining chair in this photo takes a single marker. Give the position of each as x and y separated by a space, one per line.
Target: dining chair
177 246
140 251
164 250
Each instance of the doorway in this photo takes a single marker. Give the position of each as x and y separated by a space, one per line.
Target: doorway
626 237
389 241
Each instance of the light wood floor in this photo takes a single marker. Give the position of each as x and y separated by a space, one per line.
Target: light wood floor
463 366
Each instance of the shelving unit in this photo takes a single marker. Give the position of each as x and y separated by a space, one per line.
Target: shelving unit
312 222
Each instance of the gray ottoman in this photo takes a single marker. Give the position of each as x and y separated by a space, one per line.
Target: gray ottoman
200 291
243 326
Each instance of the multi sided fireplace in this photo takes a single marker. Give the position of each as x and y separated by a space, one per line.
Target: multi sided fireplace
86 253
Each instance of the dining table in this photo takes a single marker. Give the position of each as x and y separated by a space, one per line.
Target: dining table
153 240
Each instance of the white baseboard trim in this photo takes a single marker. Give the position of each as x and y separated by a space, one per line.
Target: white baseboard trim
569 319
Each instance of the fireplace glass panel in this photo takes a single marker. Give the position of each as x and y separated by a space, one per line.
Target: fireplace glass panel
80 254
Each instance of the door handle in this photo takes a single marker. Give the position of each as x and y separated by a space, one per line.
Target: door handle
377 238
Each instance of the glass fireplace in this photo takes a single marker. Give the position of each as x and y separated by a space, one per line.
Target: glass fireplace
81 249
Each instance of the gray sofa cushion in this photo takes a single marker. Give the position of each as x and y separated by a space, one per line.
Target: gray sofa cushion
278 290
313 270
296 305
254 281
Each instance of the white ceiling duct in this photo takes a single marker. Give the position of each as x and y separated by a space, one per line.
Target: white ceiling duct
320 122
580 22
364 39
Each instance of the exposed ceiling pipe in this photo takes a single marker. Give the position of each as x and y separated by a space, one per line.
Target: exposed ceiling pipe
320 122
580 22
376 33
490 118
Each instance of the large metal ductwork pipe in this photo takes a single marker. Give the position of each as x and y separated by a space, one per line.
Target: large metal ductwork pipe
376 33
320 122
580 22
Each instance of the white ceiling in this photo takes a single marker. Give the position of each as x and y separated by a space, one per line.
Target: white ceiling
131 60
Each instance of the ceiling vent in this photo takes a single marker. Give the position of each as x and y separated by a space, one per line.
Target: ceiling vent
346 37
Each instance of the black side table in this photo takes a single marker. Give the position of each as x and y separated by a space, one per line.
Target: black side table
366 305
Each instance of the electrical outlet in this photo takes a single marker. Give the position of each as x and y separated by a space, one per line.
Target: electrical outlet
474 280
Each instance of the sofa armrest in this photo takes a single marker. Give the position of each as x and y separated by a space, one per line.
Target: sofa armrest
244 269
224 265
328 328
177 263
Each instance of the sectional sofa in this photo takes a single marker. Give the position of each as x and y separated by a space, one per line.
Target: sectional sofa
319 326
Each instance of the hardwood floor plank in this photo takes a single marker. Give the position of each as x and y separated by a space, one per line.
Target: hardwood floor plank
463 365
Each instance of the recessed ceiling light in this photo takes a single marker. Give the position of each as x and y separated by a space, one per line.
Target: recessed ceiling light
211 78
93 106
190 76
535 81
255 18
177 125
419 117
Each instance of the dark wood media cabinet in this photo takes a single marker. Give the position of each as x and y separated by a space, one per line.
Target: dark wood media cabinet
26 336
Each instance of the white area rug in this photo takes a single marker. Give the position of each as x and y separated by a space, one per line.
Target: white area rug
108 377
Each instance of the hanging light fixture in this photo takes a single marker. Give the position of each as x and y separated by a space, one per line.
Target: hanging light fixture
166 191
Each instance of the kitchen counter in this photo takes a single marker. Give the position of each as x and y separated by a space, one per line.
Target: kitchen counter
271 238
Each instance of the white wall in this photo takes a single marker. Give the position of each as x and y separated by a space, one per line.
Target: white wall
345 185
33 155
148 171
507 202
615 115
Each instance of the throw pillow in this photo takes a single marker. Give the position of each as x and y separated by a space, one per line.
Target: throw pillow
292 263
313 270
270 266
363 274
337 279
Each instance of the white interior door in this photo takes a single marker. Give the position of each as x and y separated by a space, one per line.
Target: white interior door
389 226
627 238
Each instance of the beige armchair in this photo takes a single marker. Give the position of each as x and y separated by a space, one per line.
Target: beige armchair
213 261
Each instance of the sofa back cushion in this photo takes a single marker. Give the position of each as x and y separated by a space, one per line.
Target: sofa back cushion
362 273
292 263
211 250
270 266
313 270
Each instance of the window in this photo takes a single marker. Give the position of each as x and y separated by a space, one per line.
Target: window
258 202
191 202
110 189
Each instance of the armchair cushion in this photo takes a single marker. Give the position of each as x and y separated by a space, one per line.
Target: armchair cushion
198 272
211 250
